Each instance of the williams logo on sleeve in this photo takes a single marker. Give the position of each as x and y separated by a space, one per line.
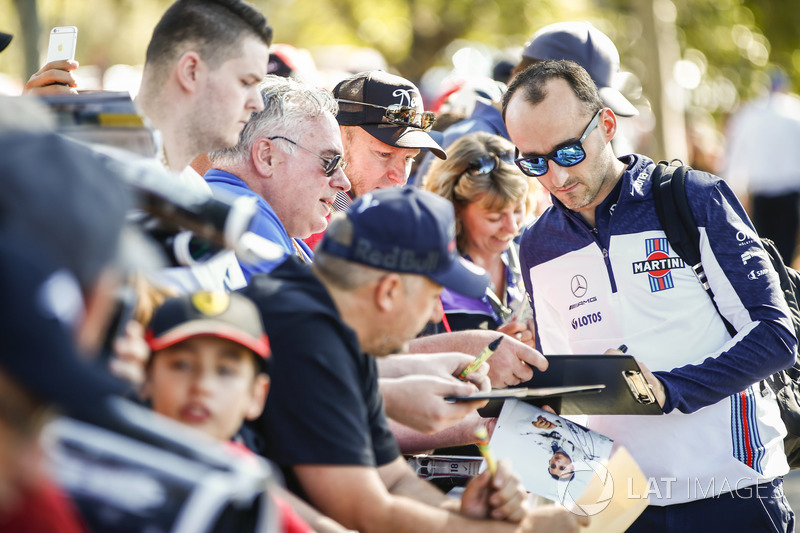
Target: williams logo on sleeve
658 265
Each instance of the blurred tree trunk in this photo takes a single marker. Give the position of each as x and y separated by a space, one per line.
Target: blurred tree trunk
660 53
429 38
31 31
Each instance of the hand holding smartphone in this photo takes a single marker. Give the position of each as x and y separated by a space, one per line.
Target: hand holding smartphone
55 77
62 43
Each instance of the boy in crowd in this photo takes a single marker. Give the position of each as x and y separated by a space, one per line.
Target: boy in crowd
208 370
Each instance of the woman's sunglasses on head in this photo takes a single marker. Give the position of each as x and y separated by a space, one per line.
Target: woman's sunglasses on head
488 162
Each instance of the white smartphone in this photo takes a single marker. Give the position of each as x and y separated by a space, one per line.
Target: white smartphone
62 43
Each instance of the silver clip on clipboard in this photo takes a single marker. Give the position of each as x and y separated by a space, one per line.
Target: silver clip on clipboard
641 390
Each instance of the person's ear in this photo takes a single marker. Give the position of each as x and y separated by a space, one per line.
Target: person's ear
258 397
608 125
189 70
388 292
263 156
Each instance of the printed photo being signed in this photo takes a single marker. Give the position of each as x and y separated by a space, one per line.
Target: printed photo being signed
553 455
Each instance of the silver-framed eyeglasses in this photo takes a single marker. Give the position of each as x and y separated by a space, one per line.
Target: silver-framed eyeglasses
331 164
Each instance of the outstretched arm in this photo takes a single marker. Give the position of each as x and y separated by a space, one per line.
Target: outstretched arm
462 433
417 401
391 498
511 364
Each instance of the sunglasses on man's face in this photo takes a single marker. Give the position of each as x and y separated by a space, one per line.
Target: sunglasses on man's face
565 156
488 162
402 115
329 164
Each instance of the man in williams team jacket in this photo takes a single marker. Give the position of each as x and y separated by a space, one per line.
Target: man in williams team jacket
600 272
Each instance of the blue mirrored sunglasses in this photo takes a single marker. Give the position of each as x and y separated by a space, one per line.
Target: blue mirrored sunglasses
565 156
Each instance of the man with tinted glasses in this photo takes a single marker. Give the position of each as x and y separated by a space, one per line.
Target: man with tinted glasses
717 451
289 157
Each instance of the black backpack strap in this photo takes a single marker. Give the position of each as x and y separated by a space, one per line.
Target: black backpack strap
677 221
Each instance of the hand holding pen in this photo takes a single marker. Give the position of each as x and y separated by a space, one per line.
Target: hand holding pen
482 357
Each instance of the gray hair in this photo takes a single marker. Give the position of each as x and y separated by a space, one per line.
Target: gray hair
290 107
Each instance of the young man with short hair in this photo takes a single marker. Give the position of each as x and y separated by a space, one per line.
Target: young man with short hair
199 87
201 75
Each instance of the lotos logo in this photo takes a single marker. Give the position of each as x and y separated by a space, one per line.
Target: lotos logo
585 320
658 265
594 506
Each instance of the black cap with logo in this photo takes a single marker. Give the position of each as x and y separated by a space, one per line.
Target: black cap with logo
387 107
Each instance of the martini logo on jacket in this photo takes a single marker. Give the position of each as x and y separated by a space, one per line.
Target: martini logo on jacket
658 265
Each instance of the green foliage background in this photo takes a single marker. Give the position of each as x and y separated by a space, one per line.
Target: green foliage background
733 41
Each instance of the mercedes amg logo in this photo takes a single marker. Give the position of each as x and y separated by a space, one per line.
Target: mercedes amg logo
578 286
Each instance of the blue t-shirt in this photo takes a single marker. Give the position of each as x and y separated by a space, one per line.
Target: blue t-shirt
265 222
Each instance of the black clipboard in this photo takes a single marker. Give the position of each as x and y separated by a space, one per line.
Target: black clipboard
626 391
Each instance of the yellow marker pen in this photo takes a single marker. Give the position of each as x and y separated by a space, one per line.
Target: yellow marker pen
478 361
483 445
